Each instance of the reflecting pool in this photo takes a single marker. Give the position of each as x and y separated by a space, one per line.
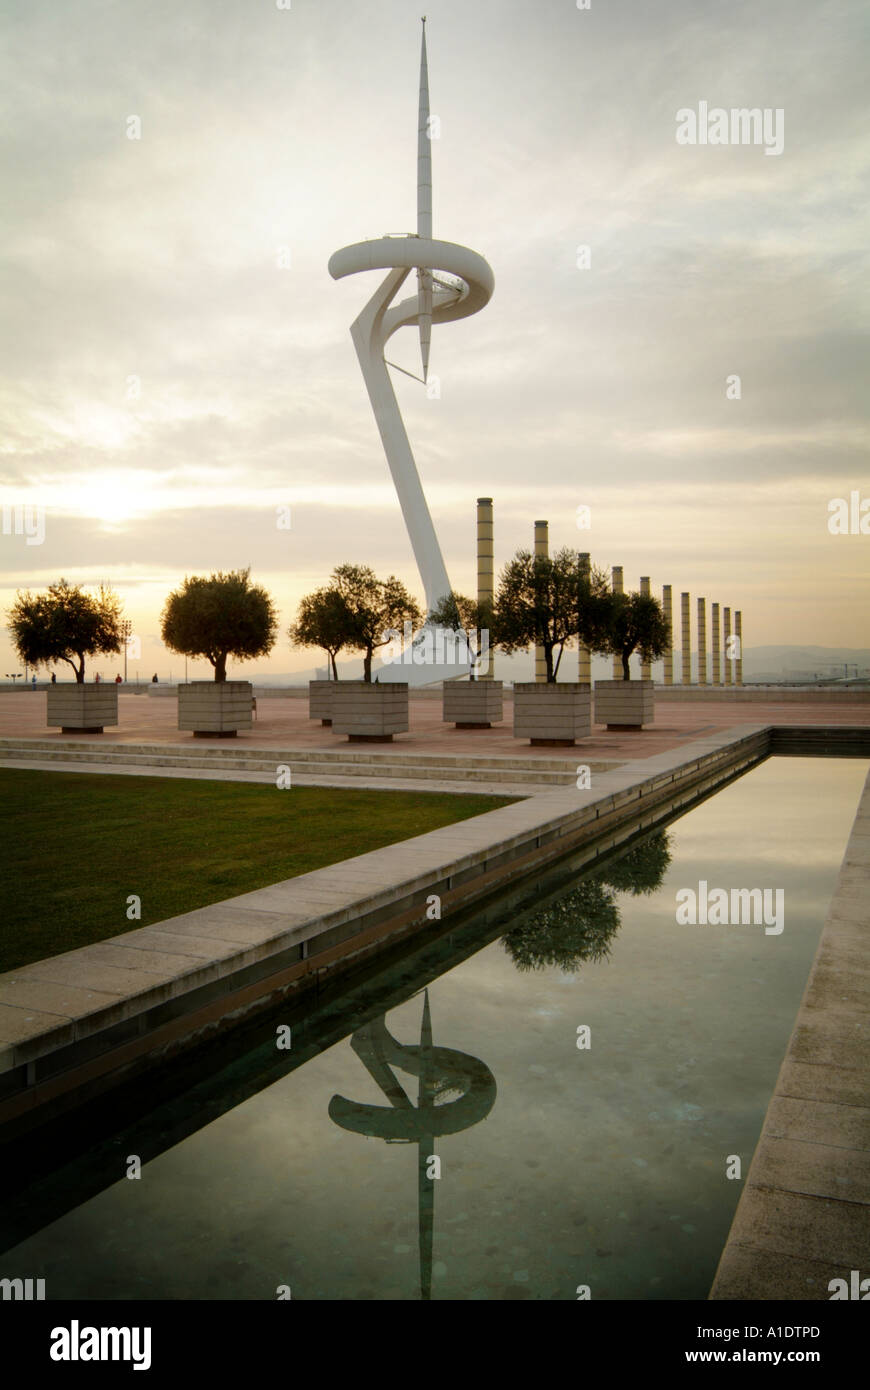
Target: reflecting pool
549 1098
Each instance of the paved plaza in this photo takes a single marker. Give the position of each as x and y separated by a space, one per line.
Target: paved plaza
284 723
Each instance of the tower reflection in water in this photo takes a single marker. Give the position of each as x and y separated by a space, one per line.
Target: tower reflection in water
441 1073
574 927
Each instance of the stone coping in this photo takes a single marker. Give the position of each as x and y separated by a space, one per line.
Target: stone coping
803 1218
804 694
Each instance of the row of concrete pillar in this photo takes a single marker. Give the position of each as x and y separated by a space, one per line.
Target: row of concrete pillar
726 652
726 657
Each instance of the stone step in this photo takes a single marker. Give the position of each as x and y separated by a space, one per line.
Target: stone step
535 774
345 755
308 778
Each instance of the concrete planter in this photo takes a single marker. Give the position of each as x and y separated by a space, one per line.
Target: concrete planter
624 704
369 713
552 714
320 700
82 709
215 709
473 704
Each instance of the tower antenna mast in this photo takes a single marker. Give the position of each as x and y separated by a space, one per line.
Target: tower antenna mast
424 206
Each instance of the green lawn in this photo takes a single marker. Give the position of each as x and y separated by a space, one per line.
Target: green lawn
74 846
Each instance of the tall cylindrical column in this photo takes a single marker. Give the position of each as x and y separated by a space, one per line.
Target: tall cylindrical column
686 639
715 645
667 605
617 587
726 633
645 668
485 570
738 633
542 547
584 656
702 641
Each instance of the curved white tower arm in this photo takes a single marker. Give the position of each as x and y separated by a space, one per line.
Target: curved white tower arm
371 331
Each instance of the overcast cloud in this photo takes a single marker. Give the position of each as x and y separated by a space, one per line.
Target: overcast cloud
262 128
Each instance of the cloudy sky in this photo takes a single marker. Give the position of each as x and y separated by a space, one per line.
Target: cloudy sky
167 383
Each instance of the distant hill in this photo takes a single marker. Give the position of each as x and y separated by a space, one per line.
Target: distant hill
775 663
804 663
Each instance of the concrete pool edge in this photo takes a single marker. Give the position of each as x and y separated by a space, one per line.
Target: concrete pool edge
77 1023
803 1218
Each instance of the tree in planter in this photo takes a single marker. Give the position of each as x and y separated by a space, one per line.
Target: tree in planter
222 616
547 600
636 623
66 624
324 620
377 609
461 614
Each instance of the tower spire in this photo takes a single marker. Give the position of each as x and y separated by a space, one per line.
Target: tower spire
424 206
424 149
468 290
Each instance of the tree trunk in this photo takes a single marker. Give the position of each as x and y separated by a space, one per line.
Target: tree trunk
548 662
334 667
626 674
367 664
220 667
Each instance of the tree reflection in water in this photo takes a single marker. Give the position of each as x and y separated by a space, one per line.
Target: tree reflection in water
580 925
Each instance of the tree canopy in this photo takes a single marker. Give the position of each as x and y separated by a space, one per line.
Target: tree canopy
468 615
548 600
636 623
324 620
66 624
222 616
377 609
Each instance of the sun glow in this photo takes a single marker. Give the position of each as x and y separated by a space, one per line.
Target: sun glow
110 498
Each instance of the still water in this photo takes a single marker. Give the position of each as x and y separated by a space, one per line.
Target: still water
458 1144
